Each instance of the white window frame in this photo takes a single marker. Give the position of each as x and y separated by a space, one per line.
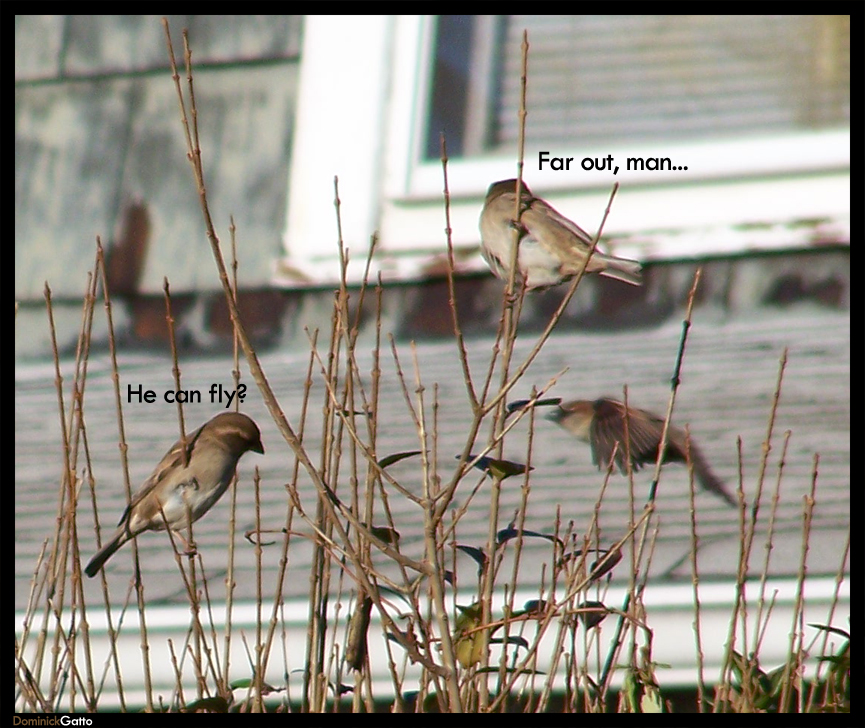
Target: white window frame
738 194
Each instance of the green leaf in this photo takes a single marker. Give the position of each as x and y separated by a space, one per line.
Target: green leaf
500 469
396 457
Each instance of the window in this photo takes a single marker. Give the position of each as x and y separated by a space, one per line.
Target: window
753 112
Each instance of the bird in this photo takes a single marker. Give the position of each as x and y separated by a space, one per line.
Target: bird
601 423
212 453
552 247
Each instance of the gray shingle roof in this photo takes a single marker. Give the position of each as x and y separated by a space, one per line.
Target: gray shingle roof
730 370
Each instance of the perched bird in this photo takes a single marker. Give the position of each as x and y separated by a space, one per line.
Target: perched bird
552 248
602 424
212 454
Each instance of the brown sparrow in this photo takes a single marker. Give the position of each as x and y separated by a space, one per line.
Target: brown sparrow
552 248
212 454
602 424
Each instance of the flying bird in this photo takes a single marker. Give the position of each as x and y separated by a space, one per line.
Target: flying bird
601 423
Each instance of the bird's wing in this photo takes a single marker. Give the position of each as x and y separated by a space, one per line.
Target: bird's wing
644 429
171 463
608 428
606 431
541 216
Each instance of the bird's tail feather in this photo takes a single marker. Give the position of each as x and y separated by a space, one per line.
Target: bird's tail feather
622 269
708 479
105 553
